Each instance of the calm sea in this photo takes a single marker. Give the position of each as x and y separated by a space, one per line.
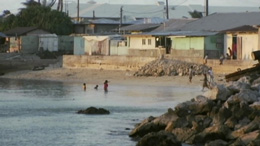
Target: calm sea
43 113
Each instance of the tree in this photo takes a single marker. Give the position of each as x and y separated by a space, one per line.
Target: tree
41 17
196 14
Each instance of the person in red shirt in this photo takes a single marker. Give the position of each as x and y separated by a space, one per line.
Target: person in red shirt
106 85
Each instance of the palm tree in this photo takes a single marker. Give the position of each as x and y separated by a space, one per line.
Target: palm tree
60 5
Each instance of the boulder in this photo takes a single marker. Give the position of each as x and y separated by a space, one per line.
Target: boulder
146 127
166 118
184 134
252 136
255 105
218 142
235 87
161 138
94 111
219 92
248 95
212 133
194 107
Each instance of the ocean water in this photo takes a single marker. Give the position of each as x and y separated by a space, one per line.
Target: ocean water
43 113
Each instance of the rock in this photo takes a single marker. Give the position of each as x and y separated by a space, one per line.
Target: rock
235 87
161 138
184 134
166 118
252 136
255 105
219 92
212 133
248 96
94 111
169 67
146 127
218 142
194 107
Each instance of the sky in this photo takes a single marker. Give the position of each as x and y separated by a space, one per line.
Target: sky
15 5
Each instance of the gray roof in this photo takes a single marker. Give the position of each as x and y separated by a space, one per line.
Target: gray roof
223 21
183 33
139 27
18 31
130 12
172 25
2 35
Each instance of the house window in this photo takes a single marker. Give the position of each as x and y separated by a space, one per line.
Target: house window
143 41
149 42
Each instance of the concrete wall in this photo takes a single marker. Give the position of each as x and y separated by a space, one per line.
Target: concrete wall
105 62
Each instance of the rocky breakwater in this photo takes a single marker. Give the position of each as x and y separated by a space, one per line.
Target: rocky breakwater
162 67
227 115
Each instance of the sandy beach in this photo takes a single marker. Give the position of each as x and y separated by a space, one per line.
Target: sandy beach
94 76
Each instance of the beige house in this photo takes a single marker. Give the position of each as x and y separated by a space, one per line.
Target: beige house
242 40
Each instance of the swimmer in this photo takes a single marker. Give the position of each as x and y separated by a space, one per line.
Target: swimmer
84 86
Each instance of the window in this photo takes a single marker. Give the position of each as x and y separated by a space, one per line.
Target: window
149 42
143 41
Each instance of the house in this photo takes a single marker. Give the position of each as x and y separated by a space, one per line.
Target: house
24 39
156 42
234 30
245 39
100 45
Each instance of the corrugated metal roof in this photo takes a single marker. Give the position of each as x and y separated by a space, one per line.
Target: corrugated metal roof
184 33
172 25
18 31
246 28
104 21
177 33
2 35
139 27
223 21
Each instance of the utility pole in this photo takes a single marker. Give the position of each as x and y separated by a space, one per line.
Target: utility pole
121 17
167 10
206 7
78 12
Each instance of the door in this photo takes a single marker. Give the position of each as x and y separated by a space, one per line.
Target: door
239 48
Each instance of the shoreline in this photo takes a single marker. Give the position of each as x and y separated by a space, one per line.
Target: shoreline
98 76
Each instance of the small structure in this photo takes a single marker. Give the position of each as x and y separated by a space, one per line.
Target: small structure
48 42
24 39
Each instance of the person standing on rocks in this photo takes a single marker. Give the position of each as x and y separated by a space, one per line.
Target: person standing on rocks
211 76
191 72
205 82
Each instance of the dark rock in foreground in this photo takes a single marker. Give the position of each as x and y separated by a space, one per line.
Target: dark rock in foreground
161 138
94 111
226 115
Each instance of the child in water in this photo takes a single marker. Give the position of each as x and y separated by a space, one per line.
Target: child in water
105 85
84 86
